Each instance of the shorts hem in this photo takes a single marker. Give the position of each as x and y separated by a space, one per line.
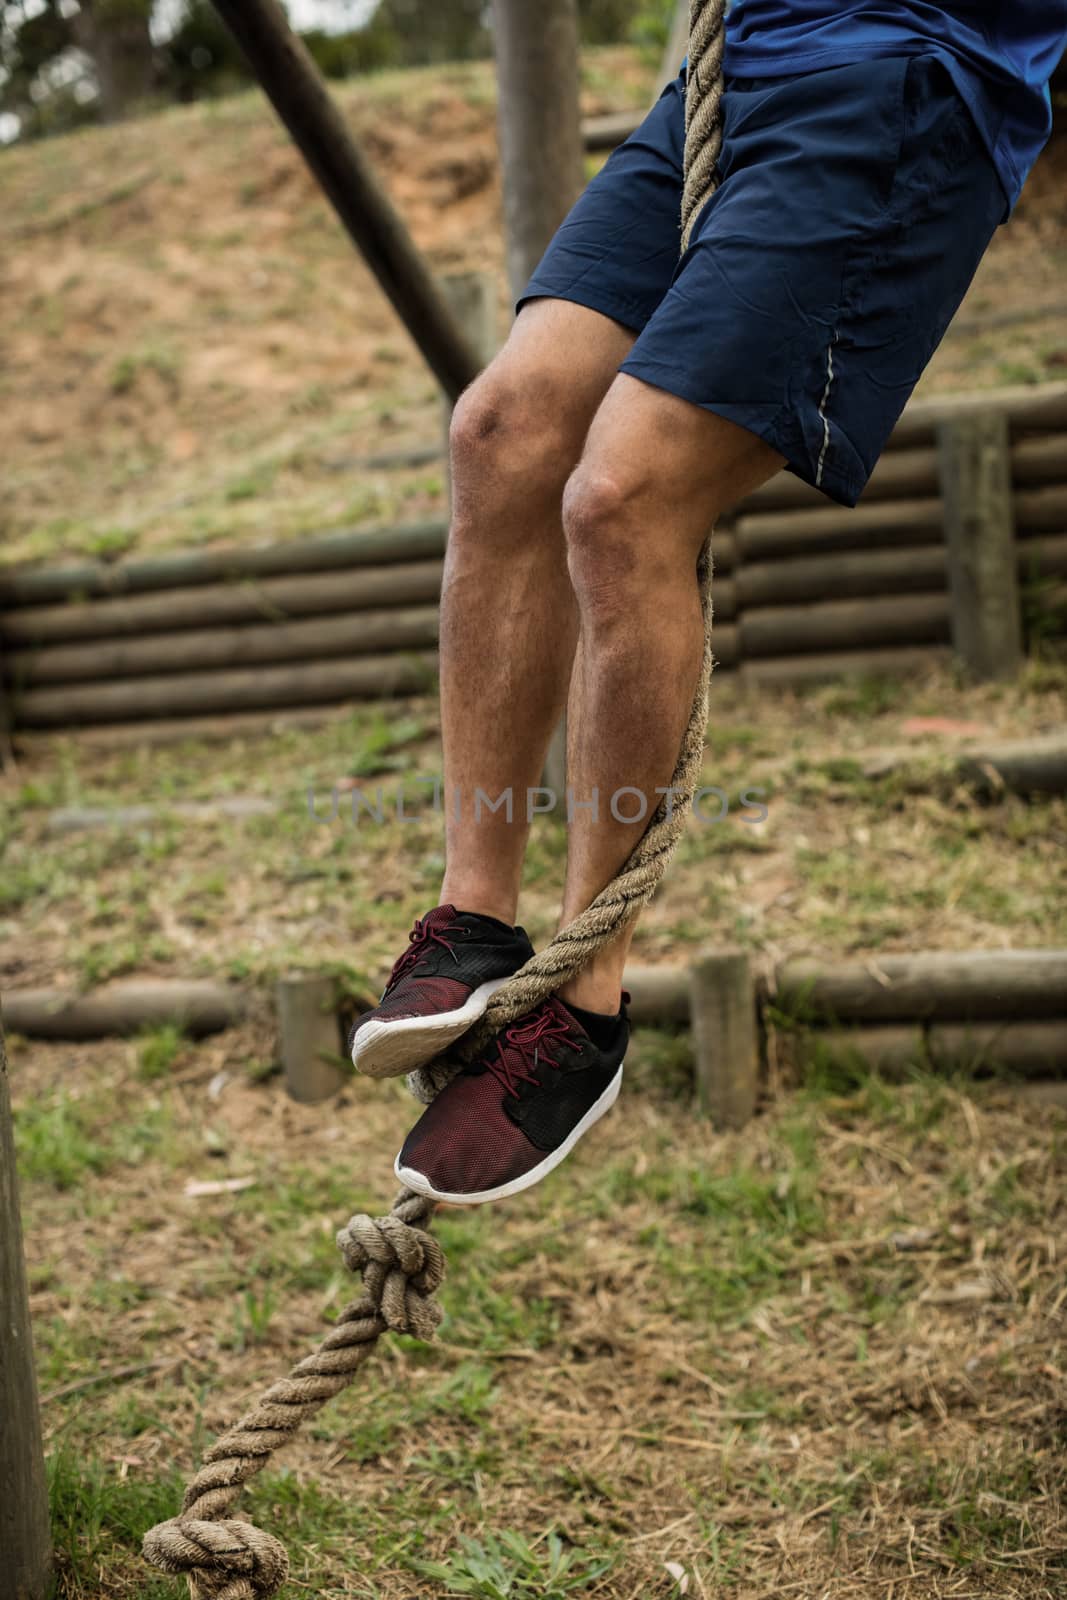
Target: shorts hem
629 313
778 427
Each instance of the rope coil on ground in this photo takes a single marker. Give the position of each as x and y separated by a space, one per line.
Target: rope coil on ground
401 1262
402 1266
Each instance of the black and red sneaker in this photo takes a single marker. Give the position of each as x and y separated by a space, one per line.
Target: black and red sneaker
438 989
516 1112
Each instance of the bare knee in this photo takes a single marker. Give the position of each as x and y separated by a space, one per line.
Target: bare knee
507 429
604 548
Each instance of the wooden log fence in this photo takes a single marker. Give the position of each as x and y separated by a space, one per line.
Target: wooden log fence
805 591
982 1009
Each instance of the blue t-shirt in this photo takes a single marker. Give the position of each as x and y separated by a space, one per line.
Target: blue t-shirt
1001 54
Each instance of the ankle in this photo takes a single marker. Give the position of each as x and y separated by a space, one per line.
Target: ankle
480 902
593 992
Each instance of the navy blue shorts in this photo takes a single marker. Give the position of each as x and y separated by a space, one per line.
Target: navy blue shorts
854 206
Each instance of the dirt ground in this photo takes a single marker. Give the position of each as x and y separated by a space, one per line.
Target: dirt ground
821 1357
192 352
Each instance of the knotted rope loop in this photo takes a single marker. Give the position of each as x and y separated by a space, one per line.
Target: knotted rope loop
222 1560
402 1266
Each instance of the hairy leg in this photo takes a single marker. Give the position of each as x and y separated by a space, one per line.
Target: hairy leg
655 473
508 613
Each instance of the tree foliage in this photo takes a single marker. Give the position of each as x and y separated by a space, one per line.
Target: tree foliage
68 61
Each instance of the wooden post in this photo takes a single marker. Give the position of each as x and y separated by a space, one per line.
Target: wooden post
974 459
541 149
675 48
298 92
722 1005
540 127
309 1034
7 753
25 1541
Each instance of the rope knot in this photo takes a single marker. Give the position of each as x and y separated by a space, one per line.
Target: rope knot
401 1263
223 1560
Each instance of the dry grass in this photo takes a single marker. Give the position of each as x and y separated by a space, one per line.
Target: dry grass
842 863
200 357
822 1357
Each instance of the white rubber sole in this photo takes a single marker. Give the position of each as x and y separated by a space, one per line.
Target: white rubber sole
386 1049
422 1185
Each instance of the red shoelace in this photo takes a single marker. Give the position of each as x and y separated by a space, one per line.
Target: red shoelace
421 937
519 1052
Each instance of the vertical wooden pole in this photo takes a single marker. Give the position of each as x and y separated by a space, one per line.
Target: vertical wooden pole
25 1540
541 150
471 298
7 752
309 1034
974 459
297 90
540 126
722 1007
676 47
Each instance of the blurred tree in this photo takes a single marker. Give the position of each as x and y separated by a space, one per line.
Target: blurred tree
201 56
429 31
63 61
114 35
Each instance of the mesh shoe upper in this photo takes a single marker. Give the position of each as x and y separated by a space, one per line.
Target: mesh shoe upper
519 1102
450 953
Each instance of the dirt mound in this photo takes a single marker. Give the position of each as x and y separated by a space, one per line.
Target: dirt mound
194 353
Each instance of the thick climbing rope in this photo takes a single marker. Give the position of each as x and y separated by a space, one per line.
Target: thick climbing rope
227 1559
703 108
402 1265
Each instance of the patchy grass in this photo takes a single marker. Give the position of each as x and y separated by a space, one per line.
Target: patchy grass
823 1355
836 861
201 358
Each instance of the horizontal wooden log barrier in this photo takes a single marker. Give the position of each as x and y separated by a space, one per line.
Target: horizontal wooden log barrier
1029 1049
899 474
658 994
856 575
306 682
613 128
780 612
1038 460
324 552
785 630
1043 556
1022 766
257 600
1041 510
782 673
848 574
196 1006
886 524
786 673
1030 408
974 985
803 522
725 643
352 633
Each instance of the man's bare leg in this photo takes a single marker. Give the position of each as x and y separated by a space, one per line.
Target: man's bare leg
655 473
508 613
